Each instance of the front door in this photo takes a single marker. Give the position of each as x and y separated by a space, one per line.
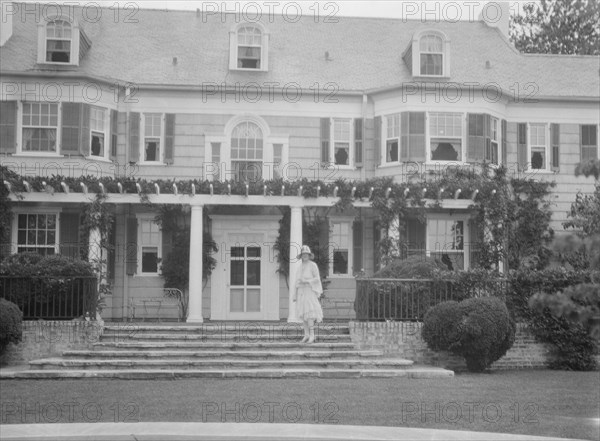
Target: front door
245 282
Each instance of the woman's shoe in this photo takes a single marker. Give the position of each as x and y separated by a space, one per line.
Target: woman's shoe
305 339
311 338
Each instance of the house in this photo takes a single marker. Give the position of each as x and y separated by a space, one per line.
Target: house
177 96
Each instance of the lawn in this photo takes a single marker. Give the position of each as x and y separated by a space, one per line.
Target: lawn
548 403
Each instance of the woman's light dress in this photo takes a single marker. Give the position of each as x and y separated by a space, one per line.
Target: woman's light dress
308 291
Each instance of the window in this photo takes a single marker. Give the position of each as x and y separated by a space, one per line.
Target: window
277 160
446 242
249 47
40 124
37 232
341 248
247 152
152 137
537 146
149 240
392 141
341 141
58 41
97 126
431 55
589 142
445 131
491 148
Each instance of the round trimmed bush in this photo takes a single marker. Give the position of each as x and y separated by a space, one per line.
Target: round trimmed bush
478 329
10 324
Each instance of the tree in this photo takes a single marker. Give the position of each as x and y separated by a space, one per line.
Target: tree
558 27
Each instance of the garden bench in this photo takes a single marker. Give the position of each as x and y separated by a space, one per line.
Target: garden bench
136 304
344 308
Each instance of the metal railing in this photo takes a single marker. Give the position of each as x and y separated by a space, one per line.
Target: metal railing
409 299
51 298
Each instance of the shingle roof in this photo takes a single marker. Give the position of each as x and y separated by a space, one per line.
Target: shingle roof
366 54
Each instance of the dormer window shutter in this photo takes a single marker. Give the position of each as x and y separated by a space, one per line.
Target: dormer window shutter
134 136
8 126
325 140
169 138
555 146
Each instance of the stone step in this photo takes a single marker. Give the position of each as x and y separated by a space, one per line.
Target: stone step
273 337
219 363
159 374
222 346
214 328
267 354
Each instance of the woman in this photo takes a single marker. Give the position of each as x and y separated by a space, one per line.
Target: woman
308 291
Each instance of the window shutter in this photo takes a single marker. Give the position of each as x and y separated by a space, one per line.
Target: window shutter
555 145
325 137
377 137
412 136
167 243
71 128
169 138
504 154
404 136
415 238
358 141
84 133
114 125
357 244
8 126
522 146
476 139
134 136
588 141
487 133
132 251
69 235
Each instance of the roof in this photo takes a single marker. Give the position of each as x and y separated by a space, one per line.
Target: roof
365 54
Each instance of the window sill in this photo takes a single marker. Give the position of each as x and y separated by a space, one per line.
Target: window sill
37 154
152 275
247 69
152 163
98 158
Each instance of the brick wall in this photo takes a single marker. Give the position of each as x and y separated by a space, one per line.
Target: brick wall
404 339
43 339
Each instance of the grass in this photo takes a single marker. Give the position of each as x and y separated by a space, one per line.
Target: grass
550 403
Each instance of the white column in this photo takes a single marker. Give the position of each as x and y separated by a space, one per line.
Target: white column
295 245
195 289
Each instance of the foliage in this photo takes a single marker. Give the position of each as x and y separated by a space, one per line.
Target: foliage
413 267
10 324
478 329
584 215
588 168
5 212
558 27
34 264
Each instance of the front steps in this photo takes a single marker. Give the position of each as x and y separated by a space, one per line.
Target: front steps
223 350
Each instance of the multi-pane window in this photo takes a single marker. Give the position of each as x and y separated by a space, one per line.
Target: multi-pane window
431 49
249 47
538 145
40 124
491 148
589 142
152 136
58 41
216 159
247 151
341 246
445 132
149 246
392 141
277 160
341 141
97 124
244 279
446 242
37 232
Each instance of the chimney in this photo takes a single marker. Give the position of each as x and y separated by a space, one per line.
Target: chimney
6 25
496 15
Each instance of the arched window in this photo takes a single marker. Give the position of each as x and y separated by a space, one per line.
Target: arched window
249 47
431 49
58 41
247 151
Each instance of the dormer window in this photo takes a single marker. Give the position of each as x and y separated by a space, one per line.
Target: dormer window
432 55
58 41
428 54
248 49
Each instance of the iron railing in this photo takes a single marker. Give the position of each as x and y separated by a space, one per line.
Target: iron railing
51 298
409 299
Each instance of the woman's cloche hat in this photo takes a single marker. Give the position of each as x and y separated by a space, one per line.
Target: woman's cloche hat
306 250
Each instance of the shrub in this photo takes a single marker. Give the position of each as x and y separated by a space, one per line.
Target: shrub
413 267
34 264
478 329
10 324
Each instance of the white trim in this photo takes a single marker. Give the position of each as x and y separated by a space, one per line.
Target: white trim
547 158
264 47
416 53
351 165
43 41
161 147
19 123
105 132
